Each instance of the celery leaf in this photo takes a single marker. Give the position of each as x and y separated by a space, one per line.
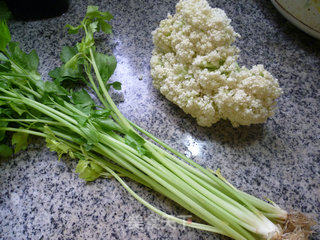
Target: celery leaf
20 141
106 65
5 151
5 36
89 171
67 53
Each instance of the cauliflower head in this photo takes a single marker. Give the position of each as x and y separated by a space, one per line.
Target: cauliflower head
194 65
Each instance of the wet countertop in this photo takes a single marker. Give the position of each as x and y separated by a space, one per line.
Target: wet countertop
42 198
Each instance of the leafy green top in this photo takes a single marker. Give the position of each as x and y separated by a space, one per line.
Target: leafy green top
60 107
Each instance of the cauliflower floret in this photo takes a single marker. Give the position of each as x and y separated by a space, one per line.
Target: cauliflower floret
252 101
194 65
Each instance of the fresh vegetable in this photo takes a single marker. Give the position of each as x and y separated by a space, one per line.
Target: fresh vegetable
107 144
194 65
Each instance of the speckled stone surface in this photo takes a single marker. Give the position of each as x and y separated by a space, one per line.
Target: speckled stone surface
42 198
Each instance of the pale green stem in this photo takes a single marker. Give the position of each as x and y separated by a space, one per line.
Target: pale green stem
123 120
176 189
22 131
161 213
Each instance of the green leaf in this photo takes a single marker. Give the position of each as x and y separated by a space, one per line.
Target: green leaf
67 53
59 147
115 85
104 113
20 141
97 168
12 46
105 27
136 141
5 151
70 73
33 59
108 124
40 84
66 76
136 137
99 19
73 62
86 108
72 29
63 73
93 12
88 170
106 65
93 27
55 73
83 101
5 36
81 97
85 44
53 87
29 61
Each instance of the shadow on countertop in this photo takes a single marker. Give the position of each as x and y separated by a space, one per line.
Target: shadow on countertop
222 131
293 34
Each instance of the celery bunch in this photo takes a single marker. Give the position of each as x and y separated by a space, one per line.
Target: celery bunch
107 144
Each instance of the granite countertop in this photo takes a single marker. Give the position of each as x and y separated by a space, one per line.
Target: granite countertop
42 198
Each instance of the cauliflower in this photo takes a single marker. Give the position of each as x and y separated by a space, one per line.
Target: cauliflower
194 65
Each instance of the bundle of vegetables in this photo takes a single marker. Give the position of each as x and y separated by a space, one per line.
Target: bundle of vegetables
107 144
